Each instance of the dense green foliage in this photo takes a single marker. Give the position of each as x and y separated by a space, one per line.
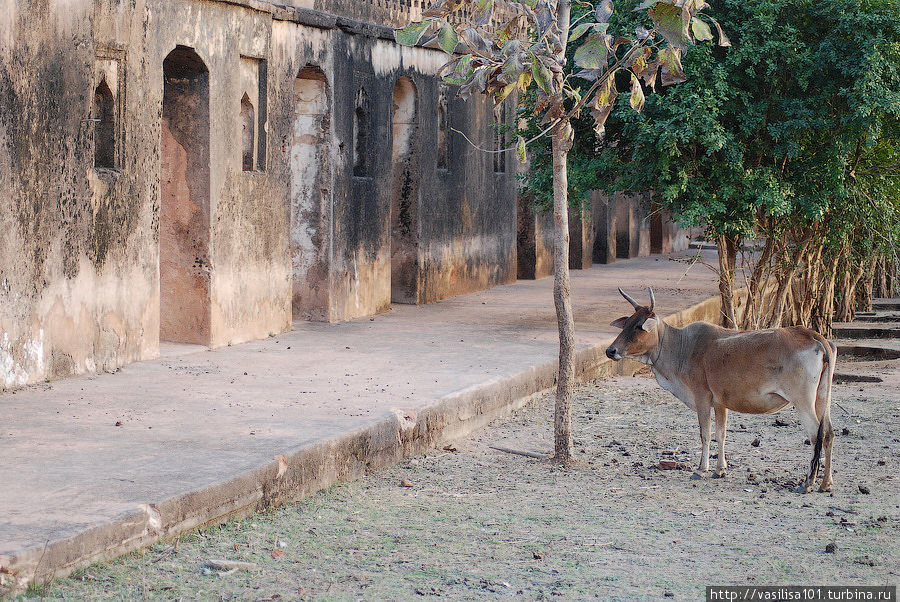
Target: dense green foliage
792 134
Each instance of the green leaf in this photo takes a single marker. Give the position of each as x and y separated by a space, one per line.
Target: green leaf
670 64
672 24
412 33
637 94
520 150
592 53
701 30
448 38
542 75
462 70
603 103
579 30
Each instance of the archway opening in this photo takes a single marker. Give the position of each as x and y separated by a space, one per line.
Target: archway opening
310 195
404 195
184 215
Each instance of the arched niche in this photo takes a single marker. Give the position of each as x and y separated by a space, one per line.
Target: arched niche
104 115
248 134
405 193
310 192
184 215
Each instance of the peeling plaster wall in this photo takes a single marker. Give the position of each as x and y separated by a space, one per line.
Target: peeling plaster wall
77 278
80 246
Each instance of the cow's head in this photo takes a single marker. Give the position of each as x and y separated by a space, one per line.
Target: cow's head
640 332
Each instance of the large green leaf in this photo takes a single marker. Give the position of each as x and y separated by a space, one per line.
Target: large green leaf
637 94
592 53
520 150
701 30
412 33
672 23
603 102
542 75
670 66
448 38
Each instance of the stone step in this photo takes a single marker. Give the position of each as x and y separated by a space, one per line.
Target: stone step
866 331
877 316
886 304
871 352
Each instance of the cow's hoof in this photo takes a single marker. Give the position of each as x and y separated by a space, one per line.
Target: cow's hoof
825 487
698 475
719 474
805 488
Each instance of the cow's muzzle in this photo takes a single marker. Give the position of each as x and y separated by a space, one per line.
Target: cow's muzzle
612 353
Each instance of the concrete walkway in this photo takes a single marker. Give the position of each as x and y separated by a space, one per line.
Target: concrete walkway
95 466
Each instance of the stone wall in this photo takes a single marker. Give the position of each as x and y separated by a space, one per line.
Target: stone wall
602 230
205 171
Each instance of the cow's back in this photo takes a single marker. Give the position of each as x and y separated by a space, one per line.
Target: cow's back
743 369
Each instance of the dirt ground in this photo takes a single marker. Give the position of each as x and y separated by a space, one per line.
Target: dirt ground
470 522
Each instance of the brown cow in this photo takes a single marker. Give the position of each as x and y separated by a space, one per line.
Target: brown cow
713 370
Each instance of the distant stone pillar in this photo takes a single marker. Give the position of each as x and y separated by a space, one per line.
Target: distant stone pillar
581 237
627 229
534 241
604 218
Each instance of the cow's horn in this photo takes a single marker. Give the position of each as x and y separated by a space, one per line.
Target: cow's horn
634 303
652 298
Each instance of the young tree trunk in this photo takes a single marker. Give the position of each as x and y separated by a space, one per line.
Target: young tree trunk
756 290
727 248
565 384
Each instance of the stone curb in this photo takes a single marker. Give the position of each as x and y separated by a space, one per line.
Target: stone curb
307 469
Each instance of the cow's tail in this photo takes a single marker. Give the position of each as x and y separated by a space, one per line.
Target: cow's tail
823 400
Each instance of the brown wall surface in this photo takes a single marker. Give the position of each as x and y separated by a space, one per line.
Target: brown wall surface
266 220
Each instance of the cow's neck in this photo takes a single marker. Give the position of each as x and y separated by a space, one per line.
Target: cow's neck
669 358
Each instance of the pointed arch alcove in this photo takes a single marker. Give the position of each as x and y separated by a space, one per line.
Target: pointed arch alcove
310 195
184 215
405 194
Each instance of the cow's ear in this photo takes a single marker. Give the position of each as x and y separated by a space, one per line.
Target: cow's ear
649 324
620 323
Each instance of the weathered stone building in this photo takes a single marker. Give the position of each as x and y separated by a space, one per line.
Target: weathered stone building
203 171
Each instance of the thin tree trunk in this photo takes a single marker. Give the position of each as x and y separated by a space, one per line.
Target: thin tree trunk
755 292
565 384
727 259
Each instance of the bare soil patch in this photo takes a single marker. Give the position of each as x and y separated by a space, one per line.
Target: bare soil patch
470 522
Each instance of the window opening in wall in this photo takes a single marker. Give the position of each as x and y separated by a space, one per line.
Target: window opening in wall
361 150
104 127
254 101
248 134
443 128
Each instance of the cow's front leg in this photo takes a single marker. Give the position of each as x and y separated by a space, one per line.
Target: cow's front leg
721 429
704 418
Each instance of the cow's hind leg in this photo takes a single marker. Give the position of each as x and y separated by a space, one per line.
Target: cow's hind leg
828 442
721 429
811 427
703 411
